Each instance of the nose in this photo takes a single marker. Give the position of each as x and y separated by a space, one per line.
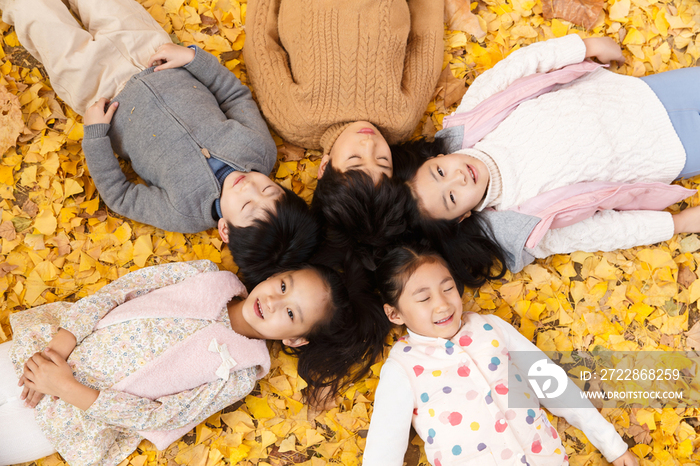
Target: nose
460 176
441 303
273 302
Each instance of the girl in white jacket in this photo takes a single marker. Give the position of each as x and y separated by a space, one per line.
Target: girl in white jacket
602 127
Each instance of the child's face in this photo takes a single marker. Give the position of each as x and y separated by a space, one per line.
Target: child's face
450 186
430 304
287 305
246 197
360 147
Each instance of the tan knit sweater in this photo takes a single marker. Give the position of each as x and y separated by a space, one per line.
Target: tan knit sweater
317 65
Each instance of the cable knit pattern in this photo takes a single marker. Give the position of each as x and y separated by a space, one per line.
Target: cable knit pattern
601 127
316 65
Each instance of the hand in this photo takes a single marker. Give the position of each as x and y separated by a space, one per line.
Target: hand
687 221
96 112
628 459
604 49
48 373
171 56
31 397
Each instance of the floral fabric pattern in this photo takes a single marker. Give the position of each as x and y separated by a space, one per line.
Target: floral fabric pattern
107 432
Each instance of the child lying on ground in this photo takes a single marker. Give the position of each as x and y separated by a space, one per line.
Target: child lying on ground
600 130
190 128
449 377
158 351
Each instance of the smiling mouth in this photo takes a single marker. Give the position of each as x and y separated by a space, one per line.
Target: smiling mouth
445 321
472 172
258 309
366 131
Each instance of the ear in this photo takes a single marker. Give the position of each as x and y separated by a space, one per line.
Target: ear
393 314
468 214
222 226
295 342
440 155
324 163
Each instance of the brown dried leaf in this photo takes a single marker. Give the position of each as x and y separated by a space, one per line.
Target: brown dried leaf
459 17
7 231
231 55
686 276
450 89
692 337
582 12
6 268
290 153
30 208
11 124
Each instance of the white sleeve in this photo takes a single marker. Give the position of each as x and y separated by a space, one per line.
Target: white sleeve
597 429
539 57
390 426
607 230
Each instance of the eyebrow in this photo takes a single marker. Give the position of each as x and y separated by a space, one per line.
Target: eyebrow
298 308
426 288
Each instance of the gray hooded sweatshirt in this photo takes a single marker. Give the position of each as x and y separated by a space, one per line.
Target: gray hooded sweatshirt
167 124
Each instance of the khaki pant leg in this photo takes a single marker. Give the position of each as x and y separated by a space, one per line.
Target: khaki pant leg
82 67
125 23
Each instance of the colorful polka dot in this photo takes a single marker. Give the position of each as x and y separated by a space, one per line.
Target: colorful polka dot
474 426
507 453
494 343
463 371
465 340
472 394
456 450
437 373
501 389
455 418
449 350
449 344
501 425
431 432
430 350
418 370
424 397
431 412
531 413
407 349
481 447
446 389
536 446
518 378
488 327
488 398
510 414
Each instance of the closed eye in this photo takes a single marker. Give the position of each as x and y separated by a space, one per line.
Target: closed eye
244 206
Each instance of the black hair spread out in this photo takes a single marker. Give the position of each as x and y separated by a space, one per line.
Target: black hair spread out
282 241
342 349
467 246
361 218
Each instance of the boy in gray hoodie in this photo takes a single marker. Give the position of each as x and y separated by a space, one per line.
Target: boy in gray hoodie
189 127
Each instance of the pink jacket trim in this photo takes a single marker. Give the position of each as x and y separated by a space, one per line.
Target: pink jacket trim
202 297
567 205
486 116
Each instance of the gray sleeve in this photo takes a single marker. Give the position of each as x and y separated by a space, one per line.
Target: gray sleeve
510 230
236 101
146 204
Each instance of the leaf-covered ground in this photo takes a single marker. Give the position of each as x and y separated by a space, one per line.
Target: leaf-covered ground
59 242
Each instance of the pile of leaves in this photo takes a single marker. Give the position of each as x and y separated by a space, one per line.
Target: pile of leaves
59 242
